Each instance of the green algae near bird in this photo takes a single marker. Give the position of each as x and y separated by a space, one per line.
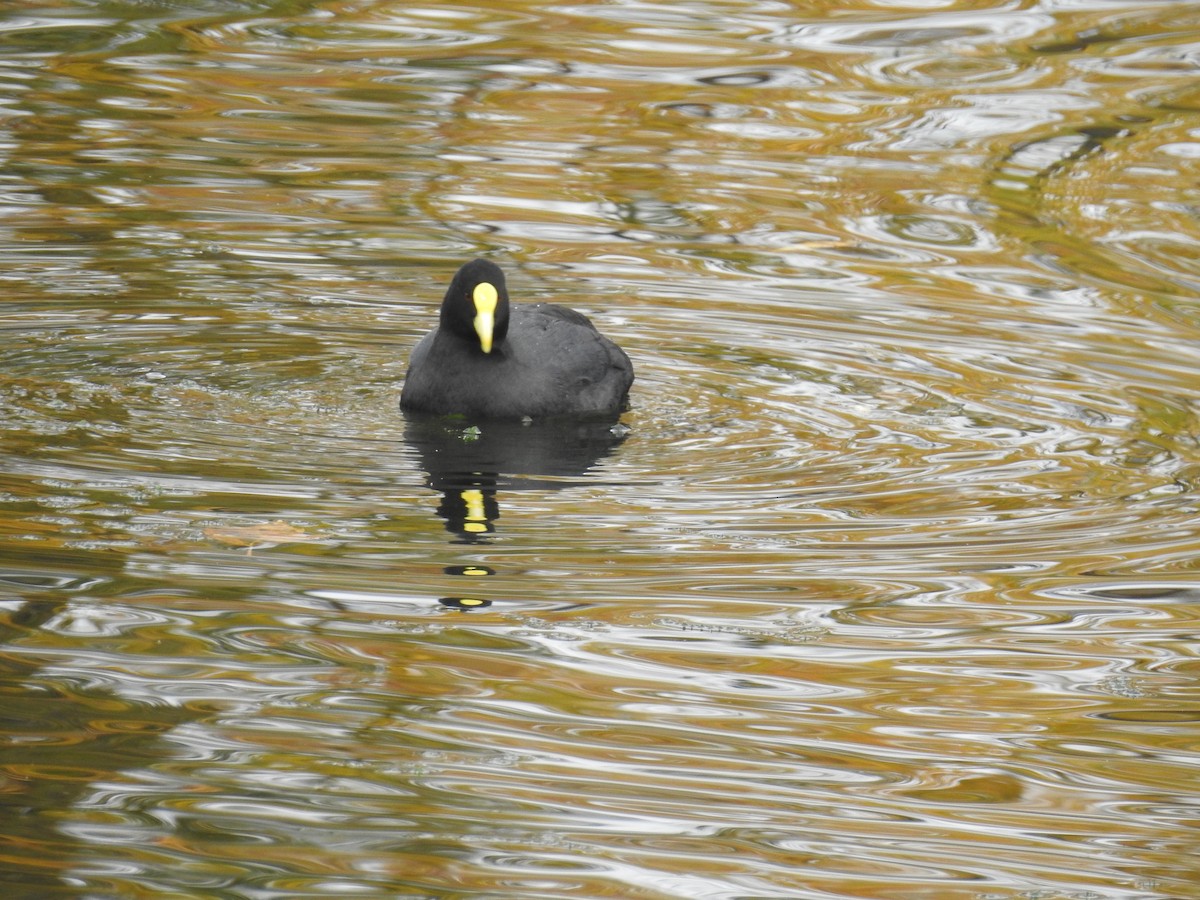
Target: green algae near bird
489 359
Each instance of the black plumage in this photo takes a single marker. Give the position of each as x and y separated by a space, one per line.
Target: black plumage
489 359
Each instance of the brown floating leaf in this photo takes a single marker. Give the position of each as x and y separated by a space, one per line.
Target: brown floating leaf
277 532
811 245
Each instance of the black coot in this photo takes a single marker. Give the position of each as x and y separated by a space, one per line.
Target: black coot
489 360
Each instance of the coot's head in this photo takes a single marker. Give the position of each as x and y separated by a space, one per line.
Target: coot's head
476 305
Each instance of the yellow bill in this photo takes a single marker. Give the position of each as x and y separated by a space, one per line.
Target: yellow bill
485 299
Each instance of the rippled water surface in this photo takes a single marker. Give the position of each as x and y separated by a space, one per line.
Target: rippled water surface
890 589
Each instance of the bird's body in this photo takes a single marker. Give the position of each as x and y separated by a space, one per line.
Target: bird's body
540 361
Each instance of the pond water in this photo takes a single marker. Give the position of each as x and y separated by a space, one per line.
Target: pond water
889 586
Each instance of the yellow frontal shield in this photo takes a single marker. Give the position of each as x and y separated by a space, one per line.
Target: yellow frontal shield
485 298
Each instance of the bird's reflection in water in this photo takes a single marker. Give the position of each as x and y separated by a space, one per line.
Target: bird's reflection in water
469 463
470 510
467 602
464 602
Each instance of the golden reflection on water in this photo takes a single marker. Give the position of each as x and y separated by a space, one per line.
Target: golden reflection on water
888 590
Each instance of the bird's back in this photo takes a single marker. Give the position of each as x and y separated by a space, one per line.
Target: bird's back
553 362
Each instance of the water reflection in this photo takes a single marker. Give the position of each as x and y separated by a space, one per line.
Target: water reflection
59 742
912 600
514 456
468 464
